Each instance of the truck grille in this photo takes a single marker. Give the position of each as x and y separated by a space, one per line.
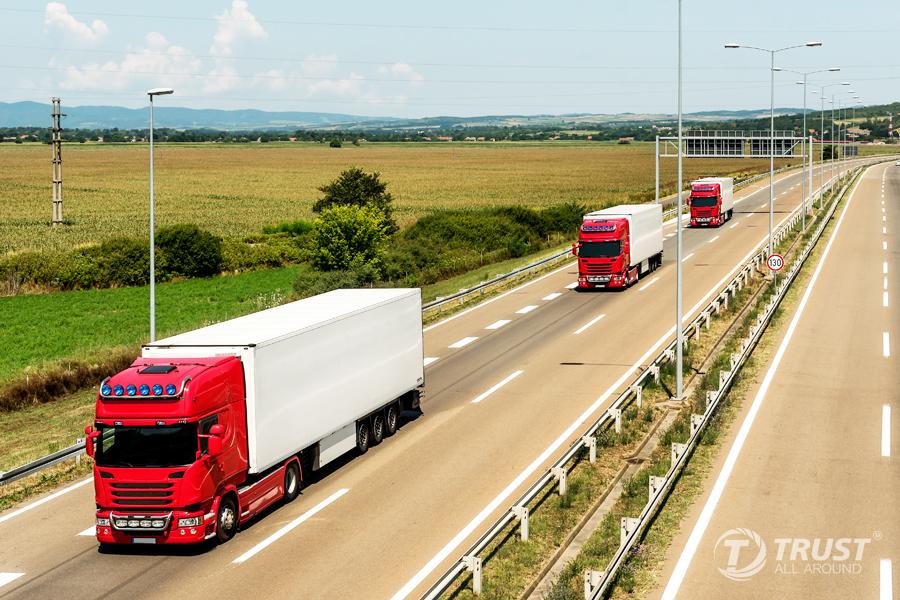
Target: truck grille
142 494
598 269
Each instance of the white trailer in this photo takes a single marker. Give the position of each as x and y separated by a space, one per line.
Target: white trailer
316 367
644 226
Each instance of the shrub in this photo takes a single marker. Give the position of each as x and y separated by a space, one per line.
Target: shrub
355 187
260 251
123 261
348 237
294 228
189 251
335 143
310 282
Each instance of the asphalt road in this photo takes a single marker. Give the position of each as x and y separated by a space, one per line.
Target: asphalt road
386 524
804 504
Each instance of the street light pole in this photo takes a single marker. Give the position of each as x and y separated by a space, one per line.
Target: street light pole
151 93
772 52
679 333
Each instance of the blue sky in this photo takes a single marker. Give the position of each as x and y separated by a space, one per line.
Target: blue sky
419 58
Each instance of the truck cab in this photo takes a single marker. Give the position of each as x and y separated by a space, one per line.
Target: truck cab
711 201
603 252
169 443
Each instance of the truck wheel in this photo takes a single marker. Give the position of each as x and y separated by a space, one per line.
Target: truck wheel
291 482
362 436
226 519
391 420
377 428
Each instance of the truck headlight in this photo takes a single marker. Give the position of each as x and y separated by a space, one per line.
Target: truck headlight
159 523
134 523
189 522
145 523
103 522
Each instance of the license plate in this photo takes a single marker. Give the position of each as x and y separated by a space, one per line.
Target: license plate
143 540
703 219
603 279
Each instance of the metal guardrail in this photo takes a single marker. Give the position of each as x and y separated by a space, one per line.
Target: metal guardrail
596 584
42 463
470 561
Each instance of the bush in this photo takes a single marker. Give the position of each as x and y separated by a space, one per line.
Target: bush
254 252
294 228
335 143
348 237
355 187
310 282
123 261
188 251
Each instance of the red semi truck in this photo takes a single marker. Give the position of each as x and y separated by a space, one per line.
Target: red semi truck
210 427
617 245
711 201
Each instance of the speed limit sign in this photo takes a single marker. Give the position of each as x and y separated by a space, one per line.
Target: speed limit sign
775 262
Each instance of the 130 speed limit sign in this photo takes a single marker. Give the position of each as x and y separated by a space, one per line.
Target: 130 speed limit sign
775 262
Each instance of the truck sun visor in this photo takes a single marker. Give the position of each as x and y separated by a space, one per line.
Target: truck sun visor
157 370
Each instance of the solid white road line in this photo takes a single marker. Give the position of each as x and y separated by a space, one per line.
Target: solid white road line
732 226
884 299
9 577
430 359
498 500
89 532
556 295
498 324
886 430
687 257
46 499
572 285
886 591
886 344
588 324
687 555
463 342
713 239
503 295
648 284
496 387
287 528
526 309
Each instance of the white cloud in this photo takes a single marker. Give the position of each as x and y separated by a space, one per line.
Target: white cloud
57 15
274 79
404 72
235 24
158 63
319 65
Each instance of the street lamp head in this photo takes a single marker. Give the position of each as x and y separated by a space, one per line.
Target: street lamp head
834 69
160 91
845 83
813 44
732 45
800 83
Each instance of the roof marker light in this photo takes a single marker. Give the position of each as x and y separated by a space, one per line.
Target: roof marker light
144 389
118 390
171 390
105 390
157 390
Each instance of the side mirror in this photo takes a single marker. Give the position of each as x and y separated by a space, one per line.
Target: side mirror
217 429
89 435
575 249
214 440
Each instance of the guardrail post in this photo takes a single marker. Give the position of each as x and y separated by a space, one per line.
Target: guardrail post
696 422
560 474
670 354
725 300
626 528
707 316
710 399
723 377
638 394
521 513
656 484
473 566
591 580
654 370
616 413
717 306
677 451
735 358
78 442
591 443
697 331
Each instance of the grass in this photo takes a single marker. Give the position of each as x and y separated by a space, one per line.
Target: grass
236 190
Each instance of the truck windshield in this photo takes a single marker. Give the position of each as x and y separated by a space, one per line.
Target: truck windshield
167 446
704 200
600 249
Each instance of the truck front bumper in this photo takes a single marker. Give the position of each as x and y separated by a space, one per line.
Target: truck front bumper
171 533
609 281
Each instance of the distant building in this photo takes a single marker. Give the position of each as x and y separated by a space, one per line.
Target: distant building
626 140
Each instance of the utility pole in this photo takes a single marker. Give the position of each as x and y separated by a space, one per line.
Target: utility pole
56 137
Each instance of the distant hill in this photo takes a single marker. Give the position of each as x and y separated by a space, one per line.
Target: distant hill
35 114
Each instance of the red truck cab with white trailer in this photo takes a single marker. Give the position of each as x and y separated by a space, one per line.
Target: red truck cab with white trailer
210 427
711 201
619 244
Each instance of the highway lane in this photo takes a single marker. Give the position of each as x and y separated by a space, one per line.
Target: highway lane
415 492
818 463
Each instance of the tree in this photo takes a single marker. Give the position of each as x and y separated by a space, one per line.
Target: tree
355 187
349 237
335 143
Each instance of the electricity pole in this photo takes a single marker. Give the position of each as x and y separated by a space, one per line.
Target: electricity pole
56 138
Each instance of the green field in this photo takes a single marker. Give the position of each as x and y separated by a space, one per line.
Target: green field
234 190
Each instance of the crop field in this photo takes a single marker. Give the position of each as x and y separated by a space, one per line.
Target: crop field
234 190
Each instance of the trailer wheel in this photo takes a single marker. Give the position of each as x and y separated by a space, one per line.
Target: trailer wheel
391 420
362 436
226 519
291 482
377 428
